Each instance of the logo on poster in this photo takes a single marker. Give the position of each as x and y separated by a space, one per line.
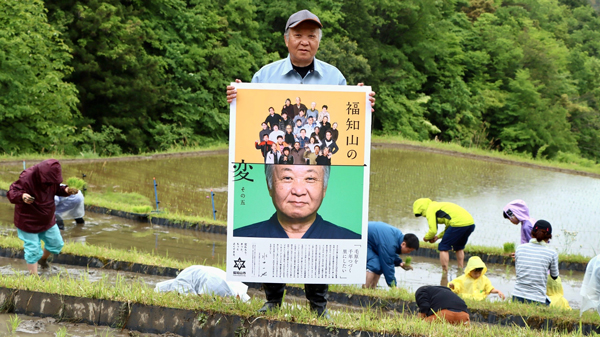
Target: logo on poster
239 263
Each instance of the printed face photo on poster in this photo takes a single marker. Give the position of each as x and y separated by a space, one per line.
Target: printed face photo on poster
299 201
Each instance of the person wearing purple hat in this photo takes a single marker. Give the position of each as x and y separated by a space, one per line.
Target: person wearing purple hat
518 213
532 262
302 37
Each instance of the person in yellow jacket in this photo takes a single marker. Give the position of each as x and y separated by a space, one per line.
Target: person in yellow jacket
474 284
554 291
459 225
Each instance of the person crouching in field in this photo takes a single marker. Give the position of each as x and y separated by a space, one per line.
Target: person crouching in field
440 303
33 196
554 291
474 284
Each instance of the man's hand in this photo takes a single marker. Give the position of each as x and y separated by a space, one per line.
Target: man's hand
71 190
406 266
371 96
27 198
231 92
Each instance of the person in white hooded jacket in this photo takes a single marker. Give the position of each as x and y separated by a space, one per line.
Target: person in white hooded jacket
590 288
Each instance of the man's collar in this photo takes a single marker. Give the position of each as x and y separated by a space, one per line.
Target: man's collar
288 66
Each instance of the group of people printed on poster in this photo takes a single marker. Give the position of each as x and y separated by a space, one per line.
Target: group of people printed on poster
299 135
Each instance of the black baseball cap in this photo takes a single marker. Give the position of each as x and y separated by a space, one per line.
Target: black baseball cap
301 16
544 225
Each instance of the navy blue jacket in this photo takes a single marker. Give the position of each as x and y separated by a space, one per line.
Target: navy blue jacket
320 229
385 241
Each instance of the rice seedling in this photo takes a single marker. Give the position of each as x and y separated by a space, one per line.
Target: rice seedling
391 294
509 247
373 320
13 323
62 332
76 183
407 261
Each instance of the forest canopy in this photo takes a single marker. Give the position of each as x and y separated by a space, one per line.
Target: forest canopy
119 76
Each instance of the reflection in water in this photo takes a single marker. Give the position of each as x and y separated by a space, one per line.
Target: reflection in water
398 177
104 230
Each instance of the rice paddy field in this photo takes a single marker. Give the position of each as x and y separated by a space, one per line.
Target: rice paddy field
398 177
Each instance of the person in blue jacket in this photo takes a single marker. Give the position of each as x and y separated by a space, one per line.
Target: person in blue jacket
384 245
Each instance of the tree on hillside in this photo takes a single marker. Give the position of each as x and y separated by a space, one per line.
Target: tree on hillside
37 105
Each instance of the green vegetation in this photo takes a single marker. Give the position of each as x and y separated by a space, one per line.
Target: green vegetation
38 107
477 250
574 163
408 260
76 183
13 323
215 145
509 247
127 202
366 320
520 77
106 253
393 294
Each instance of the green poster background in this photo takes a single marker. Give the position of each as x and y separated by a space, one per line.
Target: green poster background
342 205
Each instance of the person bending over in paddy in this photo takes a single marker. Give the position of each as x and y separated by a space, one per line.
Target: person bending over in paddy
459 226
33 196
590 287
554 291
518 213
532 262
67 208
437 302
474 284
385 243
199 280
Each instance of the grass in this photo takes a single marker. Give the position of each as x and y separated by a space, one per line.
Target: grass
509 247
213 146
372 320
478 250
5 185
393 294
139 204
564 161
105 253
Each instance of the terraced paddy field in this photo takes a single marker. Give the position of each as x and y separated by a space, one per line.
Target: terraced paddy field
398 177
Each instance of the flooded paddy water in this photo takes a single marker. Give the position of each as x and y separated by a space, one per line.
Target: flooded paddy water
398 177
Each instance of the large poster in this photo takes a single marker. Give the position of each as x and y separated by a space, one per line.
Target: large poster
298 183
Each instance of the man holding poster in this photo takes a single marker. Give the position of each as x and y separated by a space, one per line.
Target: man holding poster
302 37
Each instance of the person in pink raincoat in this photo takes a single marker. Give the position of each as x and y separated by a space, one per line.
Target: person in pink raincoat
518 213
